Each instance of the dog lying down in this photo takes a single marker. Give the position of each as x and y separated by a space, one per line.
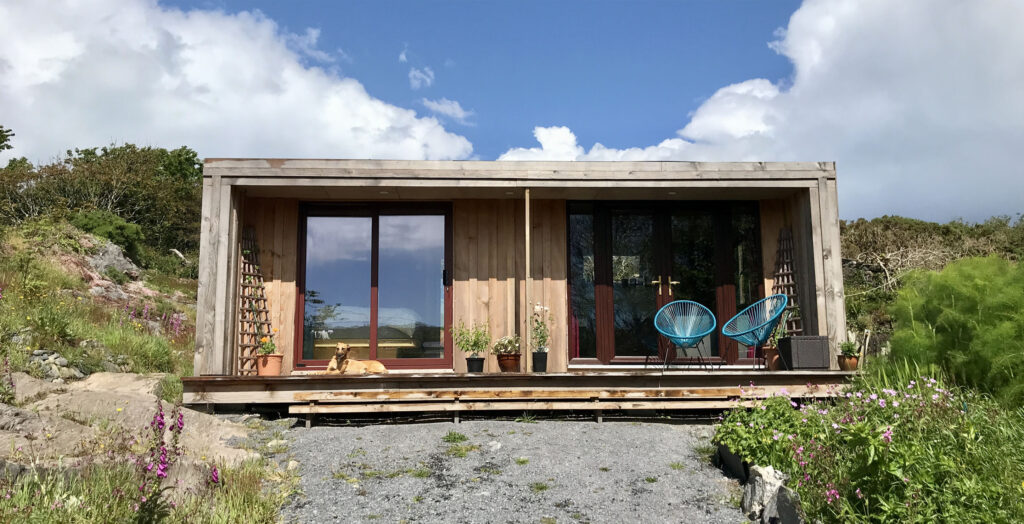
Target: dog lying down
342 365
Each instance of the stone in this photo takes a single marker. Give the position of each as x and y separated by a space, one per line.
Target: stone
40 352
65 373
62 362
110 367
109 291
277 443
762 485
58 380
292 465
783 508
77 373
109 255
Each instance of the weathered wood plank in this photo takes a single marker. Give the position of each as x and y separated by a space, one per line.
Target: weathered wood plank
832 268
515 406
206 293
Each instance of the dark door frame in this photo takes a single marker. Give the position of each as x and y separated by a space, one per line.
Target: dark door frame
725 268
374 210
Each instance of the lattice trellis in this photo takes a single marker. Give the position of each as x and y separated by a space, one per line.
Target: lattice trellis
253 314
785 281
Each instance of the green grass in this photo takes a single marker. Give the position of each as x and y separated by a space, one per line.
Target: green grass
678 466
651 480
461 450
539 487
521 461
527 418
107 493
420 472
453 437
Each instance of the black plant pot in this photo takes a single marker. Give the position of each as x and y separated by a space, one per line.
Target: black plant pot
733 464
540 362
475 364
804 352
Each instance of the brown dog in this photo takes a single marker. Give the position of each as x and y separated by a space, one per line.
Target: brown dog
342 365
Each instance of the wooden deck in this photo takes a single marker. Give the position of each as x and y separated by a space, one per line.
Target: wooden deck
475 392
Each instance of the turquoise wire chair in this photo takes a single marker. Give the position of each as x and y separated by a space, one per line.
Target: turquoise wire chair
685 323
754 325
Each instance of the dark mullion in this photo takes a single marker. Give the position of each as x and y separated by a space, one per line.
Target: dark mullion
374 258
725 287
603 296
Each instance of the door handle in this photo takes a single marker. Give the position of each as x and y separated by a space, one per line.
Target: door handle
670 284
658 282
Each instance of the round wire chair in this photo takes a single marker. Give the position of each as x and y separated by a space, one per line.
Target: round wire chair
685 323
752 326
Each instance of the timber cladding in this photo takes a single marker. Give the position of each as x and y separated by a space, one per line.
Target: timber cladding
489 281
276 222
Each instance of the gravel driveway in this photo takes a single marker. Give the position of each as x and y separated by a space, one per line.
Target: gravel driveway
543 472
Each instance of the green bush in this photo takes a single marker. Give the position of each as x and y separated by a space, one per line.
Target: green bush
968 320
913 452
113 228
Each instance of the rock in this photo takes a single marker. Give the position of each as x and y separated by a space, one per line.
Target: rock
277 443
783 508
65 373
762 486
110 367
27 387
292 465
58 380
494 445
122 383
109 255
77 373
40 352
109 291
62 362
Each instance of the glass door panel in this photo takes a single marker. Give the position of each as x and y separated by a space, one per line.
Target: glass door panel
693 268
410 287
337 309
583 321
635 298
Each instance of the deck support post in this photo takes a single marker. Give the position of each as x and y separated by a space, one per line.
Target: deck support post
598 416
309 416
456 411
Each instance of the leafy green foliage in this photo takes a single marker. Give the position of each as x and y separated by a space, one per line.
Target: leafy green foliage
112 227
5 138
912 452
968 320
473 340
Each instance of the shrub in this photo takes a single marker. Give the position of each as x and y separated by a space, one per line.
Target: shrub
969 320
112 227
914 452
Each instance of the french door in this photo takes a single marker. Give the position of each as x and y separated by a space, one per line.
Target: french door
628 259
374 276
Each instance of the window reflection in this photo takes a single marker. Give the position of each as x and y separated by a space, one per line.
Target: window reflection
581 275
337 299
410 291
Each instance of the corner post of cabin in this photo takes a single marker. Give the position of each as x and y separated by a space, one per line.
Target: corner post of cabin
525 366
832 267
206 293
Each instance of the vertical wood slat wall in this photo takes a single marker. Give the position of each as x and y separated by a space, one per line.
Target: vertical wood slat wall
276 223
489 265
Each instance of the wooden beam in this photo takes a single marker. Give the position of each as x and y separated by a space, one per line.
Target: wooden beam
528 276
462 406
832 266
206 293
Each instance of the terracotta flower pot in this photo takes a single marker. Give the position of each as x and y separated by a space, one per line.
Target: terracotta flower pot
509 363
772 360
269 365
848 363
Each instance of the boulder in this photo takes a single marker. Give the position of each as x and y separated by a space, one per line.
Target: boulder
762 486
108 290
109 255
783 508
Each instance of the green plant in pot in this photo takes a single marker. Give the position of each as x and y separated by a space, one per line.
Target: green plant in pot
849 355
772 361
268 361
540 336
507 351
472 340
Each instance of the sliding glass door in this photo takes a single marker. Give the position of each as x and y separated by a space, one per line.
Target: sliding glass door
628 259
375 278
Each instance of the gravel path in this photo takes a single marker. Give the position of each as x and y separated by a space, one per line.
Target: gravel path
544 472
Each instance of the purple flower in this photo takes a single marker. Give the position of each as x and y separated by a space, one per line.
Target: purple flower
214 476
887 436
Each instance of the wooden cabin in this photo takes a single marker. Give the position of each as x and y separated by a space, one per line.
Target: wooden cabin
387 256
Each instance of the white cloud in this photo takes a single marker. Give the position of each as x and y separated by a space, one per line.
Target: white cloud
421 77
918 101
402 58
449 108
77 75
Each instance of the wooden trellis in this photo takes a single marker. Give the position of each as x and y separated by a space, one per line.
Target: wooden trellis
785 281
253 314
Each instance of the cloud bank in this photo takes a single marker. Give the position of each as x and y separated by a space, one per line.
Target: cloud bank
918 101
76 74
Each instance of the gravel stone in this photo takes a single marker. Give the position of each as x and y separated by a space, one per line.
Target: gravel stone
551 471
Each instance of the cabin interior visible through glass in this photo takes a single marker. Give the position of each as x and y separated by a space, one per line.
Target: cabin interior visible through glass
377 277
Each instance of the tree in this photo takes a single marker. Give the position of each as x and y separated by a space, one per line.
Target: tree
5 138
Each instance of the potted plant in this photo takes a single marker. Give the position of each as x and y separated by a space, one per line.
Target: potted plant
849 354
507 351
268 362
540 335
472 340
772 361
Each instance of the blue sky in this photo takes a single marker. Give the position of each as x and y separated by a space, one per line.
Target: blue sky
917 101
615 73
